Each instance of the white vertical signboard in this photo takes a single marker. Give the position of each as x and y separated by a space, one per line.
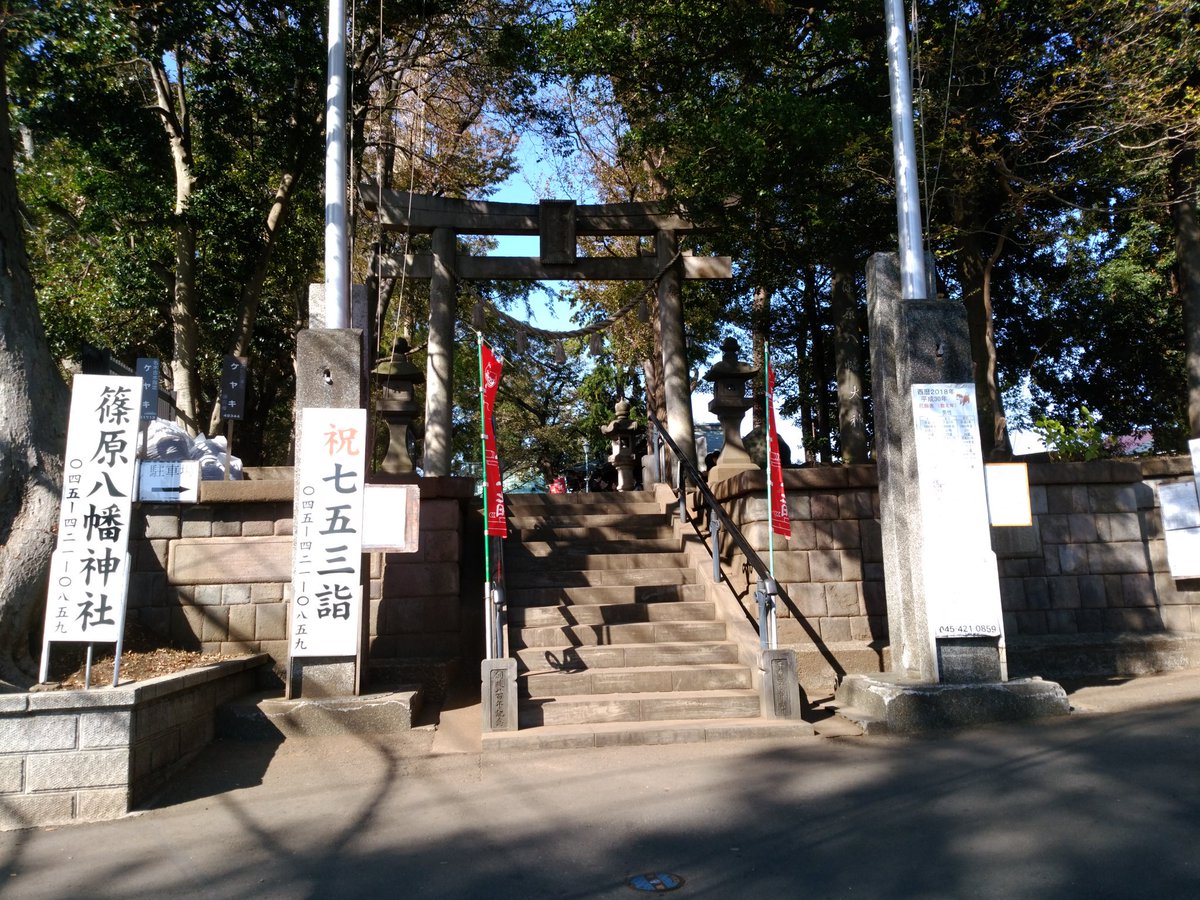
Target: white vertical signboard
89 571
962 587
326 611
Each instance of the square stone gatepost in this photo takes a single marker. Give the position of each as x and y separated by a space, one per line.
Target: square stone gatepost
935 682
499 695
912 342
329 374
780 686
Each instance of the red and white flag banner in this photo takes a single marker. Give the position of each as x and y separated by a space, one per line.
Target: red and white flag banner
490 368
781 523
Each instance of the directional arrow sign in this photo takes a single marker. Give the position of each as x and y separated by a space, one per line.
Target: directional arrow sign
169 482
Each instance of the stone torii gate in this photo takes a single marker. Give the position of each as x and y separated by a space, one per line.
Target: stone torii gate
557 224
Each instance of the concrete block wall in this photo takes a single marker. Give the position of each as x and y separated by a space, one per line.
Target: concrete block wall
216 576
1091 569
832 565
416 598
79 756
1094 560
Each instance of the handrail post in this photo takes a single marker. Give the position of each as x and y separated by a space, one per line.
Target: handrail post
768 590
681 480
714 531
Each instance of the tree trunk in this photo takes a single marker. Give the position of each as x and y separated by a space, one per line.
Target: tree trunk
847 353
760 330
252 290
33 407
1187 255
185 331
820 369
975 275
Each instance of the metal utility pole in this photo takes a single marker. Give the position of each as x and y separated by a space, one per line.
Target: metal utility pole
337 268
913 284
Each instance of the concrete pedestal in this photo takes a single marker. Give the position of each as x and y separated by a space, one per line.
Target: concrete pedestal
892 704
780 687
499 694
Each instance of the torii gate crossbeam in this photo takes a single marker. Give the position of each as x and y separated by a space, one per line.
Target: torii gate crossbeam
558 224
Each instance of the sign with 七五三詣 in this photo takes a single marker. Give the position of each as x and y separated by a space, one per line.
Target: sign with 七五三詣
326 609
89 570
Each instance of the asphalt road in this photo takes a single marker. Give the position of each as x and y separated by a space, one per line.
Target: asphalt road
1105 803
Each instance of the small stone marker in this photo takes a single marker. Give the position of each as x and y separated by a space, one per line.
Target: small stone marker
499 679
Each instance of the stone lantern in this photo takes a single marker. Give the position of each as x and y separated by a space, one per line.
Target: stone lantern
729 405
621 431
398 407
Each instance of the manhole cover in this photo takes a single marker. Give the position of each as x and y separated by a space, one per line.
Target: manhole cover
656 882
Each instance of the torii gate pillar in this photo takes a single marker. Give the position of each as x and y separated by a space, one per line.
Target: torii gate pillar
676 383
439 367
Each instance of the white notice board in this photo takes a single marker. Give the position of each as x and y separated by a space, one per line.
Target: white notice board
962 584
326 608
1008 494
391 517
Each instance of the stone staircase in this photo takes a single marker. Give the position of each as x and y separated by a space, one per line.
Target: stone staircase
615 631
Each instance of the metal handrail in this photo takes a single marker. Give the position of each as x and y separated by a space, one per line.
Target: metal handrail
768 587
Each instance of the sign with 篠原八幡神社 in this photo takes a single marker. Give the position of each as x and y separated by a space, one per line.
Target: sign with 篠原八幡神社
961 582
89 571
326 608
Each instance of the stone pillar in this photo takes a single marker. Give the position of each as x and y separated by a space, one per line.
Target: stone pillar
676 381
914 342
439 368
329 374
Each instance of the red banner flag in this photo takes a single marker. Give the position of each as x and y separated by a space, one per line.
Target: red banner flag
781 523
490 366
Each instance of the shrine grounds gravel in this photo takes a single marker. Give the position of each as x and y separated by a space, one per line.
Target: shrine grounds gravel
1104 803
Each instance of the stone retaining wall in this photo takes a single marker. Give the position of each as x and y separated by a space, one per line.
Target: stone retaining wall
82 756
216 576
1091 567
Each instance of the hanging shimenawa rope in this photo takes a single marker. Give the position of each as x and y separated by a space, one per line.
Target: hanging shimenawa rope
592 330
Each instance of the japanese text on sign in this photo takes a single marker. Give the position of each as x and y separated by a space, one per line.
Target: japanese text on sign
327 555
962 588
90 567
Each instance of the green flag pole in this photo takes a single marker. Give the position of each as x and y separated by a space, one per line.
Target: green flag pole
768 431
487 540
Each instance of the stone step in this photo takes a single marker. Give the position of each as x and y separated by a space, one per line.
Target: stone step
549 544
590 520
611 614
635 633
267 716
649 707
616 593
649 679
551 576
534 660
594 562
625 734
519 503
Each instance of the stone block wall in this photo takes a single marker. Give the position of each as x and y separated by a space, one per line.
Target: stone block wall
831 567
1094 560
216 576
1091 568
80 756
